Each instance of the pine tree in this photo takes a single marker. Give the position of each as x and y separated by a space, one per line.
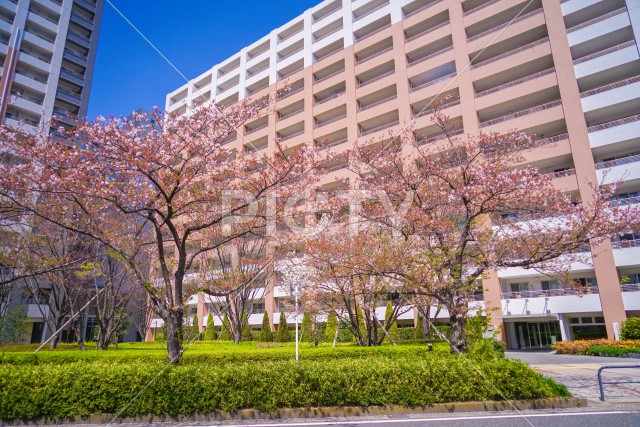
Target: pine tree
210 332
246 330
195 329
283 334
307 328
265 333
419 332
225 332
332 325
393 329
362 327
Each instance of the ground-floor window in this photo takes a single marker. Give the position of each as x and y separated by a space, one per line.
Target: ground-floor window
587 327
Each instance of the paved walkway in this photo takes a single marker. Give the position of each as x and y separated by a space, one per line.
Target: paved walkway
580 374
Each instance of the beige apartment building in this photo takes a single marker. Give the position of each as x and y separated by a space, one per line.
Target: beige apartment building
567 71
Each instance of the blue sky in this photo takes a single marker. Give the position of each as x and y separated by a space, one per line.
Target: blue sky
194 35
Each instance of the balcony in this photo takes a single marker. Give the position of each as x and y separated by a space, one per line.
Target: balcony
432 82
416 61
598 27
516 82
521 113
480 7
76 18
376 103
68 96
561 173
612 132
510 52
75 57
320 124
328 76
379 128
412 12
625 201
358 14
375 79
373 55
79 39
504 25
427 31
621 169
546 293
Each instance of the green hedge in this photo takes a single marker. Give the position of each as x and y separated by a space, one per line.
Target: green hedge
214 353
599 350
95 388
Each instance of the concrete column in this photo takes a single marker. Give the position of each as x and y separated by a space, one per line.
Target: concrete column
201 311
604 263
633 9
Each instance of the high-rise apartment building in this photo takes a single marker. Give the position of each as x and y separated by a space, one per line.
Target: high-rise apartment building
47 52
567 71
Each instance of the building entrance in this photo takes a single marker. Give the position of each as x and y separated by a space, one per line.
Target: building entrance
537 335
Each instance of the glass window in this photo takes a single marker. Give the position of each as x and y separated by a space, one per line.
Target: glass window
586 320
589 332
599 320
574 320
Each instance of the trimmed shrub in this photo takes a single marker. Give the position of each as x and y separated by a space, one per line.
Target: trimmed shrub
307 328
265 333
582 346
330 330
283 334
418 330
225 332
194 333
599 350
393 329
630 329
246 330
405 334
210 331
104 388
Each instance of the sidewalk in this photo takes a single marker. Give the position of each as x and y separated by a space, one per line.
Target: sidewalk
580 375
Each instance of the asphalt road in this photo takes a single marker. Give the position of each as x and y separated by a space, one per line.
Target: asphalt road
564 419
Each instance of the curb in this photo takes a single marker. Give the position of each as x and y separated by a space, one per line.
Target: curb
322 412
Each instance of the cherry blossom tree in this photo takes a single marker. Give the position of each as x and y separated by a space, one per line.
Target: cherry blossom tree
443 202
153 187
350 278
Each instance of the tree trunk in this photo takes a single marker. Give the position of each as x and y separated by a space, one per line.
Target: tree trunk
173 325
458 340
78 331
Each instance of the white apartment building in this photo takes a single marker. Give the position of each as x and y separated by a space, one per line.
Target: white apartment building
47 53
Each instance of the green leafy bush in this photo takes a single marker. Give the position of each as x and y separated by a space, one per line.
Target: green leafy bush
630 329
583 346
599 350
406 334
106 388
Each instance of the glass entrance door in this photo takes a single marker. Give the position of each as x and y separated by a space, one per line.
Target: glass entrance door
537 335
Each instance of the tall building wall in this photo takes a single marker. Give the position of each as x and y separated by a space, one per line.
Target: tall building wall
566 71
55 44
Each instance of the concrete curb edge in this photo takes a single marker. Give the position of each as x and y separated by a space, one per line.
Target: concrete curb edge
291 413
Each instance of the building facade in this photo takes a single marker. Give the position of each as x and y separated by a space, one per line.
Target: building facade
47 52
47 55
566 71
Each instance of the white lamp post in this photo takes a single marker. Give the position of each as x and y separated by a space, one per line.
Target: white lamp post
295 290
